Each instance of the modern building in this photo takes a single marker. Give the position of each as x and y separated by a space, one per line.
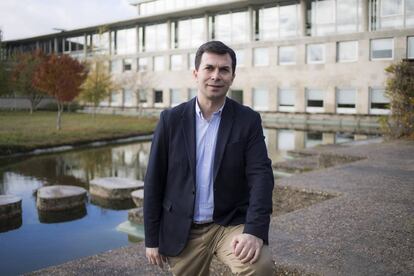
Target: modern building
295 57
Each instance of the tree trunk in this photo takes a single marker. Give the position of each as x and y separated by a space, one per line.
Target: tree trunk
59 116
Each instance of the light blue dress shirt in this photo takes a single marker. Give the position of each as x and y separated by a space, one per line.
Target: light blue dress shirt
206 138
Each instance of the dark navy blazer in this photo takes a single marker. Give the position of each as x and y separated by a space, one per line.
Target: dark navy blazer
243 178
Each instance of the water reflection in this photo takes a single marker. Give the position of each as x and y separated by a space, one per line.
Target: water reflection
62 216
113 204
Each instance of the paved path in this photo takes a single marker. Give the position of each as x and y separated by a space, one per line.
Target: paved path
368 229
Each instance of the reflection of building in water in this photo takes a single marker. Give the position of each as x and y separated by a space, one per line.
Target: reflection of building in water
294 56
280 141
130 161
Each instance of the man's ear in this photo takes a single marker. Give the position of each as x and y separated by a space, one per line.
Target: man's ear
195 74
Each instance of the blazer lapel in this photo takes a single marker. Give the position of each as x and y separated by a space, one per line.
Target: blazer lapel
188 128
223 134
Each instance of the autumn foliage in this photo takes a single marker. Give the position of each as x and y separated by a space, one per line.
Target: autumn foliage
61 78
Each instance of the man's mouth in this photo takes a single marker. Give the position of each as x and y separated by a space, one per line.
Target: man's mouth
215 86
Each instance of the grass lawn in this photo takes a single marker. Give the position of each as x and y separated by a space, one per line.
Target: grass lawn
20 131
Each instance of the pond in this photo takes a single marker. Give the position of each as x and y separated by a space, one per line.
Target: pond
36 244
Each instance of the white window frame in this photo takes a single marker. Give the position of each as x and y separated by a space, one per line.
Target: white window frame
371 49
286 108
155 69
266 94
314 109
288 62
345 110
176 67
355 59
264 49
376 111
309 61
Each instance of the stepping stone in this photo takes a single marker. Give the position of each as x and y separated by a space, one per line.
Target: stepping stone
60 198
10 206
136 215
114 187
138 197
10 212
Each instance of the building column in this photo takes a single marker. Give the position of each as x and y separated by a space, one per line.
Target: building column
330 100
303 18
251 24
365 15
55 45
169 36
300 105
85 45
206 28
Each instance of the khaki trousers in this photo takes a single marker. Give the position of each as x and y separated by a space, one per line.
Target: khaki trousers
213 239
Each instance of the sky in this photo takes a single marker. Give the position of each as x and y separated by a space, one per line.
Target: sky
27 18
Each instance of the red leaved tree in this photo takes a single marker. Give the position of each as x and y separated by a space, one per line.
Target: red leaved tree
60 77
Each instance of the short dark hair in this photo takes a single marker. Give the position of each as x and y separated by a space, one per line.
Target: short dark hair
215 47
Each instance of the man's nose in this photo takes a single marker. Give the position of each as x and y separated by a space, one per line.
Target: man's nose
215 75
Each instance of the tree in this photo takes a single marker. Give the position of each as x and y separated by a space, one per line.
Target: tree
60 77
400 91
25 66
98 84
4 79
139 83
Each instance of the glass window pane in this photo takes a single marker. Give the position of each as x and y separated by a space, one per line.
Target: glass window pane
222 27
287 55
128 98
159 63
175 97
314 98
379 103
286 97
158 98
315 53
116 66
260 99
142 64
347 51
156 37
288 20
410 47
261 56
382 48
126 41
286 139
239 27
345 100
127 64
323 17
347 16
268 23
176 62
240 57
391 7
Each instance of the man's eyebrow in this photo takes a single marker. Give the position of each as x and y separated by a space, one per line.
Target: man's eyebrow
221 67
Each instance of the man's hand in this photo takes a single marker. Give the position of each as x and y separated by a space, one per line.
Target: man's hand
247 247
154 257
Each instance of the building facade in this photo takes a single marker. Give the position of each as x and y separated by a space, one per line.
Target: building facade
294 56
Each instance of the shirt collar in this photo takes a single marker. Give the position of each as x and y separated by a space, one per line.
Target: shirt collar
200 114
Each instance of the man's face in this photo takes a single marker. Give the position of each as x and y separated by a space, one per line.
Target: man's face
214 76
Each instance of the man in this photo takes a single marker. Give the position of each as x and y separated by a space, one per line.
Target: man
208 187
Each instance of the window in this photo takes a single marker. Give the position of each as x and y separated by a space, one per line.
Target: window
128 98
261 57
176 62
191 61
158 98
192 92
142 94
240 57
230 27
314 100
392 14
287 55
410 47
313 139
159 63
127 64
126 41
189 33
142 64
116 66
260 99
175 97
277 21
379 104
335 16
347 51
382 49
116 98
100 43
315 53
345 100
154 37
286 99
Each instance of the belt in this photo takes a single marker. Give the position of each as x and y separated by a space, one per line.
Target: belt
200 225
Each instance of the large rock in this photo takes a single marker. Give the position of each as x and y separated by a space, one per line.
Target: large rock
114 187
60 198
136 215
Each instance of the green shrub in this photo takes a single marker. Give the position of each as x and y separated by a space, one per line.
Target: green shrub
400 91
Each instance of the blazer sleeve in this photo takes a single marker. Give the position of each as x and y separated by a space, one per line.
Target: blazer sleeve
260 180
154 183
